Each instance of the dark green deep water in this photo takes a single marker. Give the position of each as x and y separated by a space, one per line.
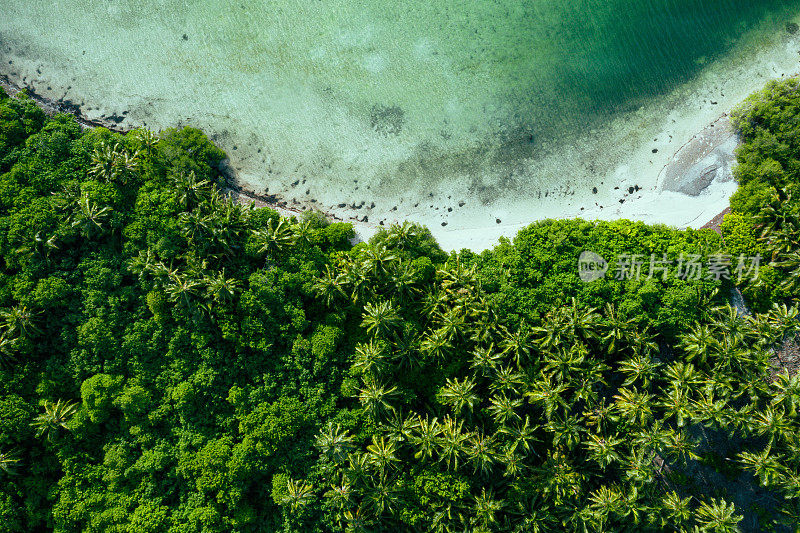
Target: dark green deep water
606 56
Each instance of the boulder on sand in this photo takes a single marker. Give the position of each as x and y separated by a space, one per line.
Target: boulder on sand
707 157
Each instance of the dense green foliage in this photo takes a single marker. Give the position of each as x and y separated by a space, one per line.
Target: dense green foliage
766 208
175 361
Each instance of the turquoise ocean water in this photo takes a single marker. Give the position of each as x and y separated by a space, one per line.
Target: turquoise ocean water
361 100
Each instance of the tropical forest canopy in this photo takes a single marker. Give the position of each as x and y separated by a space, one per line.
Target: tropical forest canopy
174 361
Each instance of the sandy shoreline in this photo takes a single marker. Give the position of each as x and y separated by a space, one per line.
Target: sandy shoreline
363 230
709 150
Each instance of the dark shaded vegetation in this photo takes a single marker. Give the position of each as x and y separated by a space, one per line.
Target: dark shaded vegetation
174 361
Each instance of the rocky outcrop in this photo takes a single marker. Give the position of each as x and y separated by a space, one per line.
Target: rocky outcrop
707 157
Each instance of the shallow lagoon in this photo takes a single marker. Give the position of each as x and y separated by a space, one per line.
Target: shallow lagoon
465 115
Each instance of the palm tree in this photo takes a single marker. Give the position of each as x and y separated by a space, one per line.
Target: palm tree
128 165
565 431
41 246
605 502
517 343
604 450
303 232
357 521
504 409
652 438
791 264
787 390
678 510
522 436
426 437
103 166
358 468
457 280
90 219
486 508
354 280
433 302
382 453
375 397
547 394
380 318
451 322
482 453
638 466
161 272
276 237
639 368
482 323
534 514
643 341
617 328
732 326
341 494
148 141
196 226
403 282
784 320
406 348
401 428
436 344
144 263
113 163
682 375
675 403
191 191
507 379
402 236
8 349
382 497
220 288
634 406
599 416
772 422
718 516
564 363
582 323
298 494
549 334
56 415
558 477
459 395
763 464
587 383
9 462
334 444
371 358
707 405
378 260
485 361
329 286
182 288
697 343
513 461
452 442
776 212
20 321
